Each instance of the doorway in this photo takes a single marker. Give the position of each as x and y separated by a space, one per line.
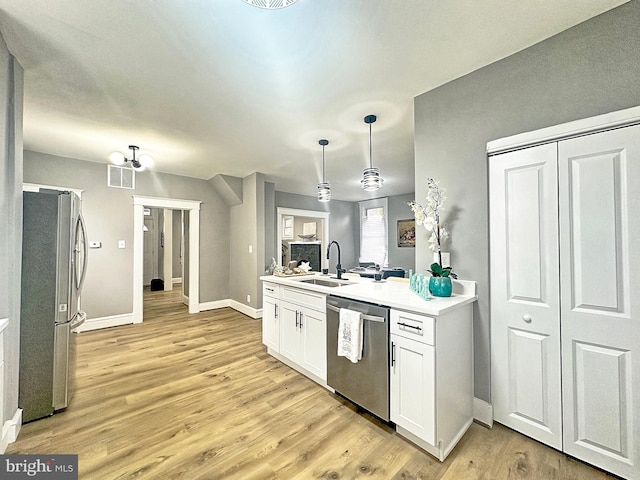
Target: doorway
291 233
164 249
191 281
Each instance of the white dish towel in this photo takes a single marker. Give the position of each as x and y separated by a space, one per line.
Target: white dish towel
350 333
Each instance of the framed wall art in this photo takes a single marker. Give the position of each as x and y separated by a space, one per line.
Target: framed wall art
407 233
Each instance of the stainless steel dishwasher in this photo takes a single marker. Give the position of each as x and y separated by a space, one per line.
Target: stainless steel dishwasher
365 383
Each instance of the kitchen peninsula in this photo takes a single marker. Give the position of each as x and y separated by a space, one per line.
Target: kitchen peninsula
429 347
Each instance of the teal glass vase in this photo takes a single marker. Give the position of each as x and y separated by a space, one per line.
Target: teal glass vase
440 286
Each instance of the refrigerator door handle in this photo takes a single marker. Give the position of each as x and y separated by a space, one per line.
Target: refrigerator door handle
78 320
81 230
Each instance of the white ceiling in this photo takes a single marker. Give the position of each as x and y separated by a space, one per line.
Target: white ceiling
219 86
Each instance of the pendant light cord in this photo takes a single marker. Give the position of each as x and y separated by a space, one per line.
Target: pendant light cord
370 149
322 163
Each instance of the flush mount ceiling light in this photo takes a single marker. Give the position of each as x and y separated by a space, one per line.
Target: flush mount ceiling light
324 189
139 164
371 179
270 4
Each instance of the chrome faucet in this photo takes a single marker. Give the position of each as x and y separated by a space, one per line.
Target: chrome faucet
339 270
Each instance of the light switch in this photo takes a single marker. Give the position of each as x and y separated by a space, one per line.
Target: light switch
446 258
121 244
250 248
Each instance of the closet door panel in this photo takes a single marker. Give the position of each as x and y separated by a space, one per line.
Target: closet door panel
599 178
525 328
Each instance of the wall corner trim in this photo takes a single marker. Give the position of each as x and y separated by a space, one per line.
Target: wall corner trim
10 430
254 313
482 412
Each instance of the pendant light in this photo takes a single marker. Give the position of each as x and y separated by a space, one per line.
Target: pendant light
371 179
324 189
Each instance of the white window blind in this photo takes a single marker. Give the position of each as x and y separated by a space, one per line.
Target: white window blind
373 233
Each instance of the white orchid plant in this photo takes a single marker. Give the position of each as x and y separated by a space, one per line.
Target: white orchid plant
429 217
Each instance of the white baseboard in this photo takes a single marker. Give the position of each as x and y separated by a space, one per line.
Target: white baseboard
215 305
10 430
246 309
105 322
185 299
240 307
483 412
176 280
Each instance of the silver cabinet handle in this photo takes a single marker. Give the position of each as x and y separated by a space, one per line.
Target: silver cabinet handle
297 315
402 324
300 320
527 318
275 310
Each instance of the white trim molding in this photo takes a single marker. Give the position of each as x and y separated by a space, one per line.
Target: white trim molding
585 126
246 309
105 322
254 313
193 207
483 412
10 430
176 280
215 305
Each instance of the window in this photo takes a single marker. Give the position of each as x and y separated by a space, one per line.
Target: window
373 232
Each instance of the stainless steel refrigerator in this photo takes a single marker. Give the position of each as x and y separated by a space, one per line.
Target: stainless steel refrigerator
54 262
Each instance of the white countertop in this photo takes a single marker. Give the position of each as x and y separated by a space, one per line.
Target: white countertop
391 293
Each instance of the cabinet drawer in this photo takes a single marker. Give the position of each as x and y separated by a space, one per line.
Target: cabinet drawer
305 298
411 325
270 290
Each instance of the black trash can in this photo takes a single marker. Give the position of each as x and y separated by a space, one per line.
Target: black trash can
157 284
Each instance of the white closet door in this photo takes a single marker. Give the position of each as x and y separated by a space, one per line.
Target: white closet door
600 277
525 325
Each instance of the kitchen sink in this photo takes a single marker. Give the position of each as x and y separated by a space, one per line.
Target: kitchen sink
326 283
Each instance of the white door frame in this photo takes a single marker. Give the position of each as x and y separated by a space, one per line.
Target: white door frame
193 207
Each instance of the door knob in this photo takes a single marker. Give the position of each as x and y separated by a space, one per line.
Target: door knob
527 318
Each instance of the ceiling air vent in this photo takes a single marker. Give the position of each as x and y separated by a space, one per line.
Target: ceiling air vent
121 177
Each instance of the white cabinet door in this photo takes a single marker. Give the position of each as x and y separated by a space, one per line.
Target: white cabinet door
314 337
525 323
270 323
600 278
290 332
413 387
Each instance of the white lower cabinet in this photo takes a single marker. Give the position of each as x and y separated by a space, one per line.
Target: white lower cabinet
432 378
303 338
413 386
294 326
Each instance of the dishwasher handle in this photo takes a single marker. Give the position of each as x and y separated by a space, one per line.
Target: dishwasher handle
369 318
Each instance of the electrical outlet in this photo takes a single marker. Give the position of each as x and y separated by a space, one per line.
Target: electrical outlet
250 248
248 298
121 244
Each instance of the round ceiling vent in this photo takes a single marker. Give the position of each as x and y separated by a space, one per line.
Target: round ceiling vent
270 4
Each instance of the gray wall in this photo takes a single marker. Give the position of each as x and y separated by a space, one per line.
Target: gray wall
109 217
11 94
247 228
590 69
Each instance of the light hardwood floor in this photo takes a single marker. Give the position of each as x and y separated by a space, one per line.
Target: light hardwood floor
196 397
